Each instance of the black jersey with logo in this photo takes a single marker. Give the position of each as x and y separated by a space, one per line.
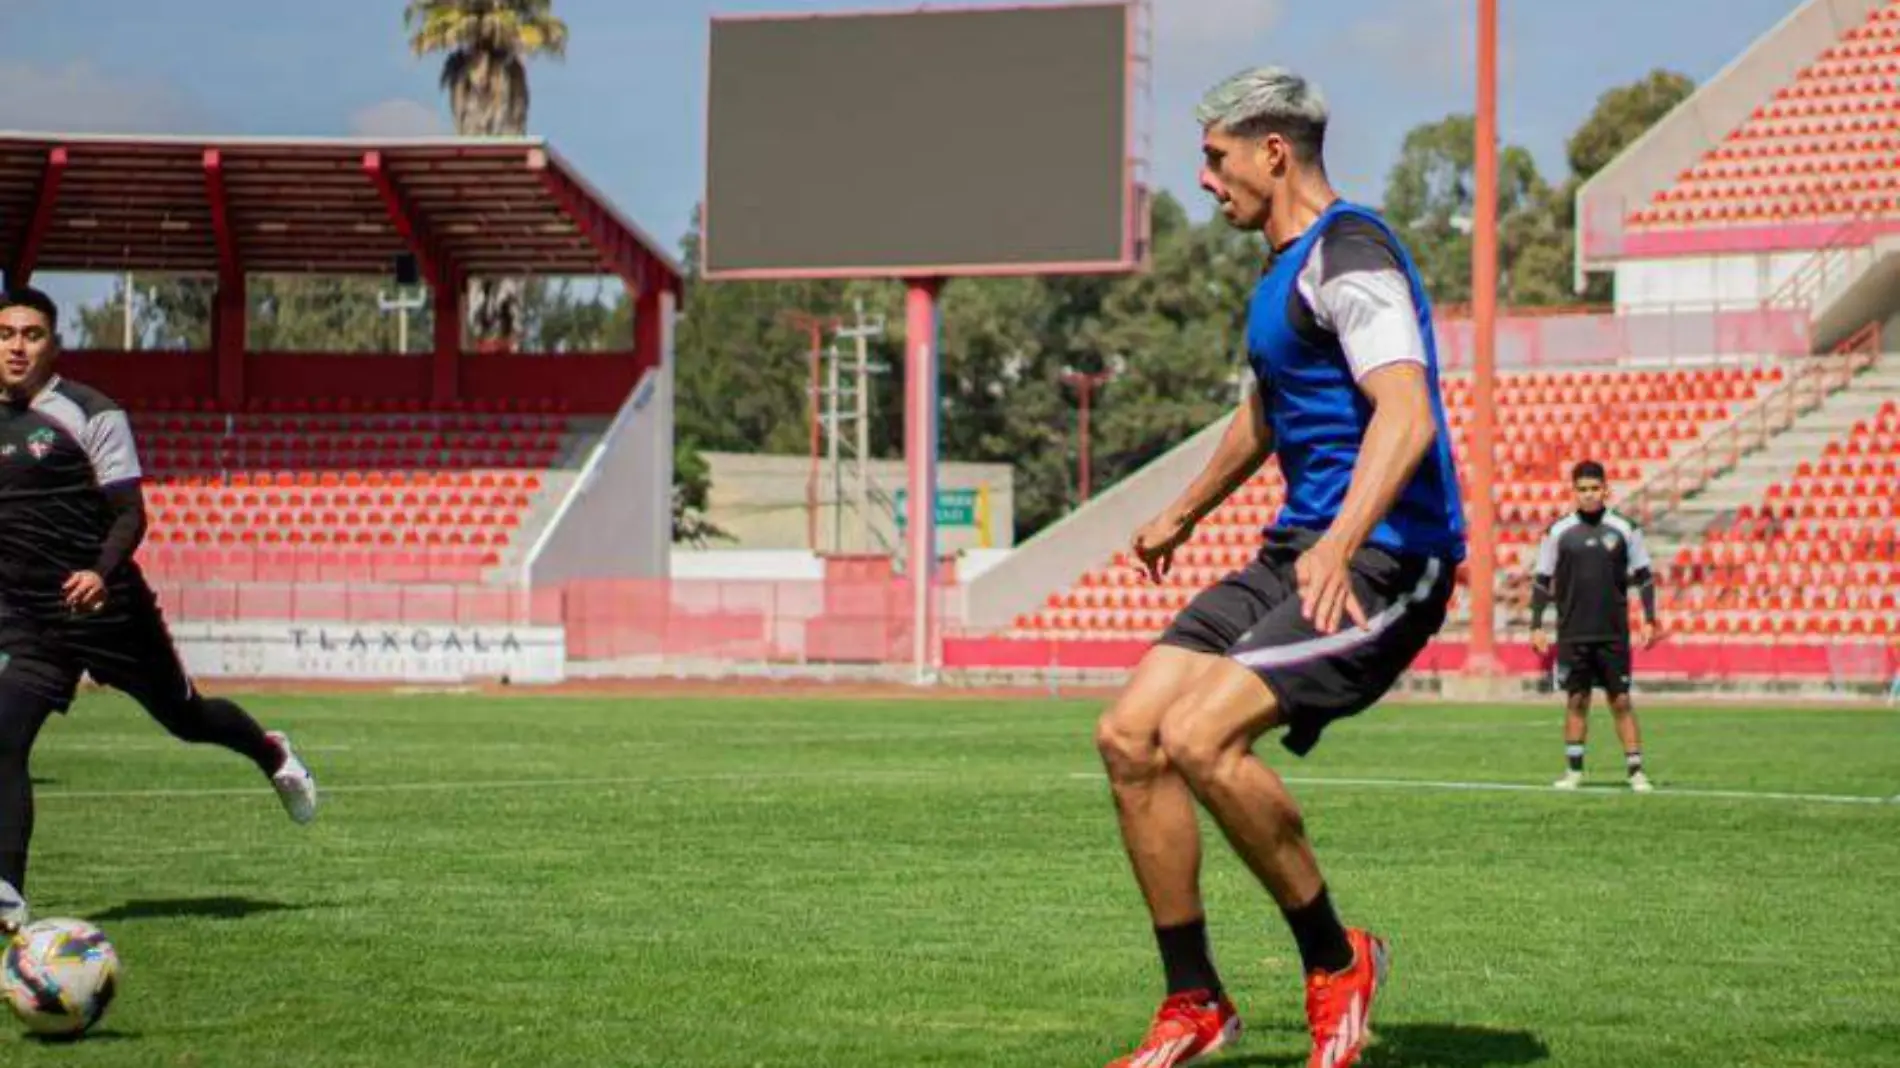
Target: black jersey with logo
1587 564
60 454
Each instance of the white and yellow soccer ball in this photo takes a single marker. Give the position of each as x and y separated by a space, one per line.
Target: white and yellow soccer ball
59 976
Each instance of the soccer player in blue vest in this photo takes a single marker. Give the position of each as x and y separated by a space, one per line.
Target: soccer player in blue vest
1351 582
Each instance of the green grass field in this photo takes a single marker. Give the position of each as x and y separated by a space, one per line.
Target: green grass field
535 882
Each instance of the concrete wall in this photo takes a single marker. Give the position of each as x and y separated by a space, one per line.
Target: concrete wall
617 520
1686 134
762 501
1702 282
1086 538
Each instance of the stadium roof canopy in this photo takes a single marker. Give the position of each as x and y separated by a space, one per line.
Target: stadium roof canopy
486 206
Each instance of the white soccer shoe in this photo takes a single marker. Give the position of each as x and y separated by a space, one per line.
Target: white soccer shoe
13 912
1640 783
295 786
1571 781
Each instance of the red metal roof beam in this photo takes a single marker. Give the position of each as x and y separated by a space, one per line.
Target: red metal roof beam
230 267
617 248
20 271
409 225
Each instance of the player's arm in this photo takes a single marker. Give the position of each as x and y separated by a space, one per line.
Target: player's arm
126 502
1244 446
1364 298
1642 576
115 462
1543 574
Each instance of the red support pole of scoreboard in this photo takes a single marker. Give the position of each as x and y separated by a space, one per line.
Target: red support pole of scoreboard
1484 305
920 455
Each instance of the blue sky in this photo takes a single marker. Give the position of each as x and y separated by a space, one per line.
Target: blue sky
627 104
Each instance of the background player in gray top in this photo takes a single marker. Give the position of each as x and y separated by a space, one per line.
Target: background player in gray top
1586 565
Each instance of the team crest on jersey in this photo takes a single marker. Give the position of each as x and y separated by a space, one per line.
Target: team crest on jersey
1609 542
40 443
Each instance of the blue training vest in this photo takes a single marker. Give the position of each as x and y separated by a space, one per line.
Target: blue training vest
1319 417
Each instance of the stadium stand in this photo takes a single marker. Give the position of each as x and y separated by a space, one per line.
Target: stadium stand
1633 421
1821 149
336 490
1818 554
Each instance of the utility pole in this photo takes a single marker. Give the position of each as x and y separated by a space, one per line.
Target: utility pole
814 327
861 331
831 454
1085 384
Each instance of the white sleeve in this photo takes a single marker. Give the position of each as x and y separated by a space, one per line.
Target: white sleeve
1638 552
108 442
1373 315
1547 556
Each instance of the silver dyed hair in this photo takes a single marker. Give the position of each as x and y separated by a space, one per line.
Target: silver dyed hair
1264 100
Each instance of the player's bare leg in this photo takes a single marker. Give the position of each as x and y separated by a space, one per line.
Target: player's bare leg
1576 732
1152 802
1163 840
1208 735
1623 711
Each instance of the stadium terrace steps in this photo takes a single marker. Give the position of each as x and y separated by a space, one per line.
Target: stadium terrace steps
1816 552
582 433
1779 458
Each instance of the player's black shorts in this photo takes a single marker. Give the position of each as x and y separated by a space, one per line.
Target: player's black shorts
125 646
1584 666
1253 616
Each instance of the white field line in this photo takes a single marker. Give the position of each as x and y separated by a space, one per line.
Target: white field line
866 776
1533 788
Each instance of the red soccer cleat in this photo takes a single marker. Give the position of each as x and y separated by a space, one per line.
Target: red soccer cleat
1189 1025
1339 1004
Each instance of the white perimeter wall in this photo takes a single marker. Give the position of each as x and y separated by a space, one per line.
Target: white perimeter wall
1703 282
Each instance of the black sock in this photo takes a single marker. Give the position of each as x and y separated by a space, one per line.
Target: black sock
1185 957
1321 937
1633 760
1573 755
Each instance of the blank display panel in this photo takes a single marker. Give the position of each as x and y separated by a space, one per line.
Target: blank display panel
933 142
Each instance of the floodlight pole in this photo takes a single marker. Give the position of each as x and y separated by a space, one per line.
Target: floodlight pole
1484 299
814 327
920 455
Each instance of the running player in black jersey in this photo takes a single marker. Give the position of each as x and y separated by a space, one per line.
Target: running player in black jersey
72 600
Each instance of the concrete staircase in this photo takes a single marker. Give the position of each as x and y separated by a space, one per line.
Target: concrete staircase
576 443
1777 459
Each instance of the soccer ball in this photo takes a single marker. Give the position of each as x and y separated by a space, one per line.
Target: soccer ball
59 976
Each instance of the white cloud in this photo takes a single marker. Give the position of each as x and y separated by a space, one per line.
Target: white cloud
77 97
398 117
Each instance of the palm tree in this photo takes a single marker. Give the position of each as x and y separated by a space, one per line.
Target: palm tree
487 82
